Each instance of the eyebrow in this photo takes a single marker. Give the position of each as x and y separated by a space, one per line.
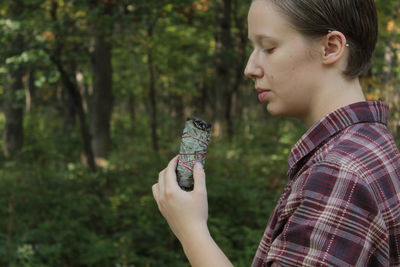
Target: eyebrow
260 37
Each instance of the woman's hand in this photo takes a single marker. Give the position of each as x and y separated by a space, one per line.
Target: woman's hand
185 212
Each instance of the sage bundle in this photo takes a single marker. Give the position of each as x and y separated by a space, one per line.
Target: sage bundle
194 144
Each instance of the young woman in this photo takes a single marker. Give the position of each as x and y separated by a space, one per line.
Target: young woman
341 206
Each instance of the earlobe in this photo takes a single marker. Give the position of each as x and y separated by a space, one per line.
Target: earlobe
334 45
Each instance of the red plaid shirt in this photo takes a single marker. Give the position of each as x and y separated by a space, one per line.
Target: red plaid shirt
341 206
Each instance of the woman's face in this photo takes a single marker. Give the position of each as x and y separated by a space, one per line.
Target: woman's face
284 65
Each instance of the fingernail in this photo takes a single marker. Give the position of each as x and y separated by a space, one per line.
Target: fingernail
198 165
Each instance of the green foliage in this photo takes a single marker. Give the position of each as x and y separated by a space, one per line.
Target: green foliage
64 215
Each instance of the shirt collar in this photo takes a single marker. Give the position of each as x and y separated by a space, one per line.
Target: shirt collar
334 122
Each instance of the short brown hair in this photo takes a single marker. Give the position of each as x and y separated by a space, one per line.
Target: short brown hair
356 19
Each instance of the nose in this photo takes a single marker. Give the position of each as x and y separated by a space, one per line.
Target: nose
253 70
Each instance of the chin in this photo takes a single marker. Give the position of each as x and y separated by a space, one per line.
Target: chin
274 110
279 111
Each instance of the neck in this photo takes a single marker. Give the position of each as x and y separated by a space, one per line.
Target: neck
335 94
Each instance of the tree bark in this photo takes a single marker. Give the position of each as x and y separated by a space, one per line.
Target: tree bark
69 111
102 99
72 88
132 112
13 136
13 110
204 96
223 66
30 90
152 93
240 45
77 100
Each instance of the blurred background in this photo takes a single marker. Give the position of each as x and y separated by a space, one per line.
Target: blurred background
94 95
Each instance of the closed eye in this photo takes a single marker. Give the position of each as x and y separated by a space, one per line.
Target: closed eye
270 50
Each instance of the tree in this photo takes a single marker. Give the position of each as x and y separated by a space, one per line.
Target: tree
70 84
102 99
14 101
223 58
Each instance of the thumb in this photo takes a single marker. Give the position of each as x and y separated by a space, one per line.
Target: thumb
199 177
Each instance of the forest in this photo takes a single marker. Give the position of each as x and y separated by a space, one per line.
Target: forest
94 96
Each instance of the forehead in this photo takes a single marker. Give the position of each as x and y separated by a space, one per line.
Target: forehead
266 22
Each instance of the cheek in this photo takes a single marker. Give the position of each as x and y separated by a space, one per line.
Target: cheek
281 67
290 70
281 75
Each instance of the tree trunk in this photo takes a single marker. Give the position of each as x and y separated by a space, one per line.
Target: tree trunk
69 111
223 66
240 45
72 88
13 136
152 93
132 112
30 91
102 99
77 100
13 110
203 98
228 114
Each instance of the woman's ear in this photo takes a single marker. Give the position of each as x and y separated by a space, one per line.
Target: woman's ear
334 46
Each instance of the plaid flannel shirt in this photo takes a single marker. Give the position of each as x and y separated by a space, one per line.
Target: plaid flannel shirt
341 206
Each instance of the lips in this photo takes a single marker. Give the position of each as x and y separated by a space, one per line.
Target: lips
262 94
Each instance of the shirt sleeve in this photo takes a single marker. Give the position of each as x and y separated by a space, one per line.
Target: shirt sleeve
332 219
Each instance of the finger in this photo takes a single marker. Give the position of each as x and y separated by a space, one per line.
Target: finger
199 177
161 181
170 177
173 163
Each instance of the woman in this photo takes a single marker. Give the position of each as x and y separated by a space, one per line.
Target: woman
341 206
